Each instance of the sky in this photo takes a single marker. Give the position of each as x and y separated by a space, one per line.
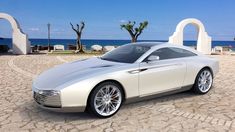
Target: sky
103 17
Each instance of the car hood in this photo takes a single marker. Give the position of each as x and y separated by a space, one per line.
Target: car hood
61 74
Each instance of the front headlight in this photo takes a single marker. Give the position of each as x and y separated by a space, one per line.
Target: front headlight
49 92
48 98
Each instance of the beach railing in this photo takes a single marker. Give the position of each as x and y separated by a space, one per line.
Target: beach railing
221 50
58 47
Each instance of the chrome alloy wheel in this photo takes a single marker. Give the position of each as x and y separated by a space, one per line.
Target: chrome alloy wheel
205 81
107 100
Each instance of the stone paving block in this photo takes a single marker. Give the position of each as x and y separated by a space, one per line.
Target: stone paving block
186 114
175 112
191 115
208 119
221 122
228 123
202 118
214 121
162 109
171 111
180 113
233 124
197 116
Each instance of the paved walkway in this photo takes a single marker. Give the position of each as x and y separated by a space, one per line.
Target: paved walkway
187 112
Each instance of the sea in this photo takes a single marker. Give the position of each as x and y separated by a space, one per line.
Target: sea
103 42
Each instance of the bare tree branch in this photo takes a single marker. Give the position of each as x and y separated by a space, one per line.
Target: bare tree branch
73 27
82 27
78 28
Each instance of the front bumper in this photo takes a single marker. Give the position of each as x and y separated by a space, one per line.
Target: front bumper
49 100
64 109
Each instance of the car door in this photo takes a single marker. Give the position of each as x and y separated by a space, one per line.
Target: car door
163 75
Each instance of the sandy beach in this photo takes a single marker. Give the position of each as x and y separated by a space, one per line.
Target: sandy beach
180 112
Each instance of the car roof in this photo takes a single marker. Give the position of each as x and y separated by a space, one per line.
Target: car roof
155 45
149 44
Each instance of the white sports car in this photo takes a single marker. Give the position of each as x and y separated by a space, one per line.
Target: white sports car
128 73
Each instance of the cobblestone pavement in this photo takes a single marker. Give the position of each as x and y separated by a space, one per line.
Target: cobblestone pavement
186 111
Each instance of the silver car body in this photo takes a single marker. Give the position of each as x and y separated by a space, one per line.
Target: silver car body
67 87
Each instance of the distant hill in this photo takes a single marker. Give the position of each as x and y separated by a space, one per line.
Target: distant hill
1 38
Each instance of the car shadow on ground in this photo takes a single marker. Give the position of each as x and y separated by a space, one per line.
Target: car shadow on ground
162 99
32 109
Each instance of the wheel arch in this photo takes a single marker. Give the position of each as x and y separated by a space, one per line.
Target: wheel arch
195 87
108 80
205 67
209 68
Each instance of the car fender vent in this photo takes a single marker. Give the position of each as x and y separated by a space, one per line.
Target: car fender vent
101 66
78 60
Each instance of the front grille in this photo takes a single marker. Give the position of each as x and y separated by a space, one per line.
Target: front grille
39 98
47 100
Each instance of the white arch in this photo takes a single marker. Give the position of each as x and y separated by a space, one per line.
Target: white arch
20 42
203 42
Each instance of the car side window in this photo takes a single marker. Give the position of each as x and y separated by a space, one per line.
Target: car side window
171 53
182 52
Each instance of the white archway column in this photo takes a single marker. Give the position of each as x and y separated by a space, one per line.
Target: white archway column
203 42
20 42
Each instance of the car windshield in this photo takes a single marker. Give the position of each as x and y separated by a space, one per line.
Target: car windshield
126 54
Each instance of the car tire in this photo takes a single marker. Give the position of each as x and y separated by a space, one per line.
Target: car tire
106 99
203 82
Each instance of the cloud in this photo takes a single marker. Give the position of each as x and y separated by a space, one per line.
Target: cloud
33 29
123 21
58 31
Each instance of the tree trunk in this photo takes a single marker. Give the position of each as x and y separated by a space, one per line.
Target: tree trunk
79 45
133 40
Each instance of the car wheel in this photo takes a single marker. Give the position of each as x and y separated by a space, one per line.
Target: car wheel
203 82
106 99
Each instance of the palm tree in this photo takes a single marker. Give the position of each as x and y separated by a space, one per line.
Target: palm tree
78 31
134 31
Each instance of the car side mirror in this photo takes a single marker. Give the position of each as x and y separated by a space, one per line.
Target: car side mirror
153 58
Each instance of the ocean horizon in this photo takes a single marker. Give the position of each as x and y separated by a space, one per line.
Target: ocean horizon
104 42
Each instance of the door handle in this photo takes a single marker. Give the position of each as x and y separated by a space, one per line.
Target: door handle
143 69
137 71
